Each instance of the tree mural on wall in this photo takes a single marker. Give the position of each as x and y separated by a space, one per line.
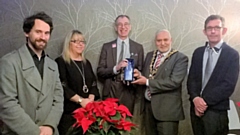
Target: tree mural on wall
19 9
221 7
73 14
140 25
163 14
12 14
95 19
118 7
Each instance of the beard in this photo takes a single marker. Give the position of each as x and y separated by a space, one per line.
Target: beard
38 44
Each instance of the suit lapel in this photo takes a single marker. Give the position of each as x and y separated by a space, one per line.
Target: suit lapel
222 59
133 52
131 48
30 71
114 51
161 68
147 64
48 77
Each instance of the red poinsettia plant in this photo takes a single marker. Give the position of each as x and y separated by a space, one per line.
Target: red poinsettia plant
102 118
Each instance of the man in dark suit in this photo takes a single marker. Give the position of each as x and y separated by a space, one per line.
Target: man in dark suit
112 61
163 72
212 78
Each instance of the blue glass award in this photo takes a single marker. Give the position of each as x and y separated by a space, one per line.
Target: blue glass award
128 71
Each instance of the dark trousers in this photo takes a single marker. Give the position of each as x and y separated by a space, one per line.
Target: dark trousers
153 126
213 122
125 94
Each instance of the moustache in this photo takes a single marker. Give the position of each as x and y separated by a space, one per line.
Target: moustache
41 40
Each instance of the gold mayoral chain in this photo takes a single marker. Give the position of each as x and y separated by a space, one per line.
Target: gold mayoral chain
85 88
152 69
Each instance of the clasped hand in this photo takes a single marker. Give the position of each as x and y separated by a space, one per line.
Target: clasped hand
200 106
122 64
140 79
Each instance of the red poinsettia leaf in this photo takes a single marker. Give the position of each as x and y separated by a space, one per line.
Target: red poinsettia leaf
110 110
238 104
85 124
124 110
127 125
79 110
90 106
103 116
112 99
99 109
79 114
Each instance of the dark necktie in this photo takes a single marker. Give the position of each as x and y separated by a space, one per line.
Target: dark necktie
120 58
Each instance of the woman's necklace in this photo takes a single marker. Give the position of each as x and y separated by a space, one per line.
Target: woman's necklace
85 88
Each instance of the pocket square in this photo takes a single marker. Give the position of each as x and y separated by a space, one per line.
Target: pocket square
134 54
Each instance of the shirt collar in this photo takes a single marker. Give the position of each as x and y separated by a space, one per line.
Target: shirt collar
119 41
33 54
166 53
217 47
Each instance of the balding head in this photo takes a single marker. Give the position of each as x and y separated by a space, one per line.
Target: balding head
163 40
163 31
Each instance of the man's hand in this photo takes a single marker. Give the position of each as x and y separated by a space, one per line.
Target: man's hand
199 114
122 64
136 73
46 130
200 104
140 80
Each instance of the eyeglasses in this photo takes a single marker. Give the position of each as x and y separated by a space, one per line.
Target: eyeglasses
78 41
121 25
217 28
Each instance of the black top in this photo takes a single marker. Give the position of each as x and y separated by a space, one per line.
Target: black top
72 82
38 63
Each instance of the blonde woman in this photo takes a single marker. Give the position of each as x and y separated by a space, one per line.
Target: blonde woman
77 77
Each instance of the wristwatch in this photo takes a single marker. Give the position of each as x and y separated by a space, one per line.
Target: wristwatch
79 100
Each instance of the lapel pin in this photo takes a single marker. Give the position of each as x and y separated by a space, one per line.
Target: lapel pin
114 45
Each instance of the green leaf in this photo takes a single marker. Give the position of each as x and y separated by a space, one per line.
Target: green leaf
116 117
128 119
99 119
111 133
106 126
102 132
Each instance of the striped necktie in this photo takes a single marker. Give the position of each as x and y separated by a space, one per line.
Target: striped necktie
158 61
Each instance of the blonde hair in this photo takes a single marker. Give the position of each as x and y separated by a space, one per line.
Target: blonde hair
66 46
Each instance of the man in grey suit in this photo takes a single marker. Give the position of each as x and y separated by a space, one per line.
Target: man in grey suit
30 90
163 73
112 61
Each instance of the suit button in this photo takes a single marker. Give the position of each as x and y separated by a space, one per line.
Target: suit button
37 121
38 107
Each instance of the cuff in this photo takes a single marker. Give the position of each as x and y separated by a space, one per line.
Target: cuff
115 70
147 82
